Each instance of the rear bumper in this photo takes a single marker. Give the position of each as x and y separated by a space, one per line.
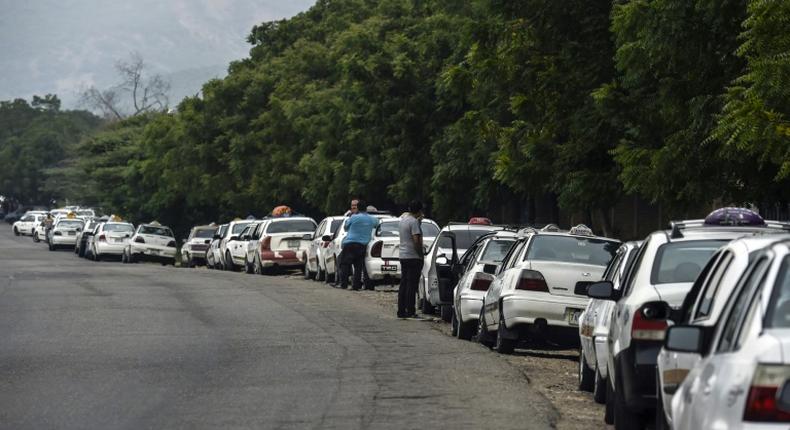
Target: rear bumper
525 308
143 250
376 271
110 248
64 240
636 366
293 258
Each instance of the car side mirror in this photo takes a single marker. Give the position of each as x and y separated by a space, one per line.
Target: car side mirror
685 338
326 238
307 236
603 290
490 269
441 260
128 235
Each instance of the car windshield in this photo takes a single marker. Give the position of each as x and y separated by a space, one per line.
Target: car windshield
84 213
497 249
463 238
27 218
291 226
572 249
682 261
238 228
335 224
155 230
205 233
118 227
69 224
779 309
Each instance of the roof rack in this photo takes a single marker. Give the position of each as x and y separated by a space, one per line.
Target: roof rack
781 225
677 226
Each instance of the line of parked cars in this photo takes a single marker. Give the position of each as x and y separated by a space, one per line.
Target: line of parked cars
686 329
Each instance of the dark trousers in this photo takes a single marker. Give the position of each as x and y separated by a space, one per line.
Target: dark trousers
410 270
353 254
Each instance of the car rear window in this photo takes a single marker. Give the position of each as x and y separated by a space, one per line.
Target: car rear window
430 230
682 261
70 224
388 229
572 249
238 228
205 233
497 249
159 231
291 226
223 229
118 227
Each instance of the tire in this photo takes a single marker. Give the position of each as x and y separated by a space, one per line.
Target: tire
321 275
483 336
660 419
446 312
229 266
599 390
37 240
248 268
81 252
608 415
624 418
16 232
454 325
465 330
586 375
503 345
308 275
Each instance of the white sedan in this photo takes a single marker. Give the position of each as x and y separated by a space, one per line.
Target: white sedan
27 223
64 233
151 242
381 258
315 266
743 379
109 239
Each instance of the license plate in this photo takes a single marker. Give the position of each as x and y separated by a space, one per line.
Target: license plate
72 233
572 315
294 243
153 251
389 268
118 240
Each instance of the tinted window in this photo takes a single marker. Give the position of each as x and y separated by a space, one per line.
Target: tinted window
291 226
388 229
238 228
712 285
69 224
463 238
335 224
497 250
158 231
572 249
205 234
118 227
682 261
779 308
429 229
223 229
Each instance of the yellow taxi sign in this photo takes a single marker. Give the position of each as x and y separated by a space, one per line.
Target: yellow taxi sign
71 215
115 218
154 222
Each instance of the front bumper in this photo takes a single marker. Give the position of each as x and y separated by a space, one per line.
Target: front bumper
527 307
64 240
376 268
155 251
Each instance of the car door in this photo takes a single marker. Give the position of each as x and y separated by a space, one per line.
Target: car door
312 252
721 374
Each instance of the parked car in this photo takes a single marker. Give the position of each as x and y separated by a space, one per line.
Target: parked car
742 379
702 306
213 260
281 243
194 248
665 268
594 326
478 266
437 281
15 215
335 246
315 265
236 247
64 232
27 223
235 228
540 288
109 239
381 256
83 236
150 242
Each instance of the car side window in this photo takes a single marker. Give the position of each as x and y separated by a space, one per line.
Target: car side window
711 286
611 269
473 257
319 231
630 275
740 304
512 256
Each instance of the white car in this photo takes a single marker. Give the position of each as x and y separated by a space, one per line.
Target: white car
666 266
236 246
594 326
541 285
280 243
703 306
213 259
64 233
743 378
151 242
27 223
109 239
194 248
381 257
335 246
437 280
83 236
234 229
315 265
479 264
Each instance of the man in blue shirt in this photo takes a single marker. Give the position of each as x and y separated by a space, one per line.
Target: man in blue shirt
359 228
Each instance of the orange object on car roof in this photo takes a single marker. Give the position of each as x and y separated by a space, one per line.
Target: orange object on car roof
282 211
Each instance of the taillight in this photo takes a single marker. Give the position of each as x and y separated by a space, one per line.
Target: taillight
57 233
480 284
532 280
644 328
139 239
266 244
102 238
761 405
171 244
375 251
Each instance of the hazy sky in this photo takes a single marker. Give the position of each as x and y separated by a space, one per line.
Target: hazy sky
57 46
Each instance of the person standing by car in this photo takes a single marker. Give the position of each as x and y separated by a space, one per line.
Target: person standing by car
360 228
411 259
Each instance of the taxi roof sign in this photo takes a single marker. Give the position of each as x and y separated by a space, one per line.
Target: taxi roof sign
734 216
550 227
479 220
71 215
154 223
581 230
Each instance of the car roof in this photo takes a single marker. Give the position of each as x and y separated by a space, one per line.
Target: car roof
286 218
452 227
567 233
716 233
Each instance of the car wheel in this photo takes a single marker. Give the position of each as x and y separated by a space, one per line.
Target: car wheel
608 415
454 325
586 375
483 336
321 275
624 418
16 232
503 345
599 390
258 267
446 312
229 262
37 240
466 330
248 268
661 419
81 252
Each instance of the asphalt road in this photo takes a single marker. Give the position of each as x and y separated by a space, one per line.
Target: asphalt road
89 345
